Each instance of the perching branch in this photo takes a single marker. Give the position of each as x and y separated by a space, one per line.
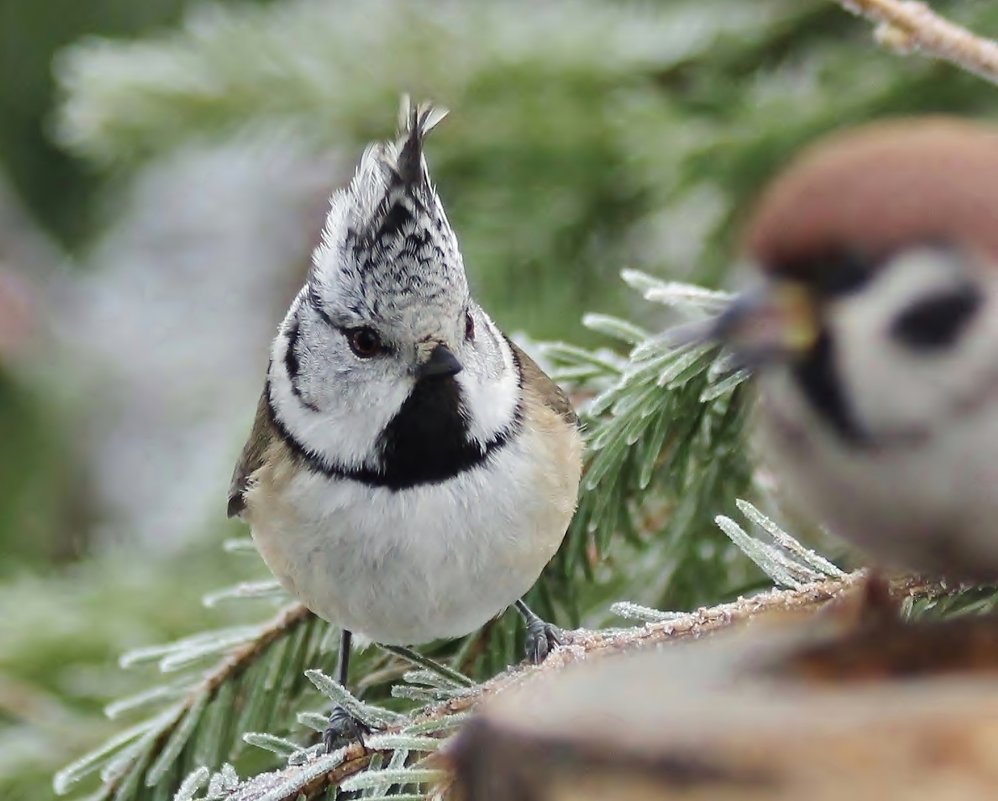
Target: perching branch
303 780
906 25
279 626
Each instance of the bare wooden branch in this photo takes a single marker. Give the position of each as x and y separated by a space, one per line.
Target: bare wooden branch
583 645
906 25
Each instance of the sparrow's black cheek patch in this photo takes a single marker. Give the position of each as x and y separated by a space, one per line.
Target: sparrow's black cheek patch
937 321
291 363
819 381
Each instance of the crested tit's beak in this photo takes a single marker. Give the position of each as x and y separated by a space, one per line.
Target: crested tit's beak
775 322
441 362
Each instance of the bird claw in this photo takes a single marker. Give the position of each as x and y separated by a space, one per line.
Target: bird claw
541 639
343 729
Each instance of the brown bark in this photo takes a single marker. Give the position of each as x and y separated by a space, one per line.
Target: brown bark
905 25
788 711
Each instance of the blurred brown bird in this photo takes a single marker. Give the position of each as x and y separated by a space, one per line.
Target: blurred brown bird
875 338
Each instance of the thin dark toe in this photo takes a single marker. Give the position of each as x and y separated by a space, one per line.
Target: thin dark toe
343 729
541 639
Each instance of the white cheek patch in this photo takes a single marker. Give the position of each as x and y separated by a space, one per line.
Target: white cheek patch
491 403
891 386
336 432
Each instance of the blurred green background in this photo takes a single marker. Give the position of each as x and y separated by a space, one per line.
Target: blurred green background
163 173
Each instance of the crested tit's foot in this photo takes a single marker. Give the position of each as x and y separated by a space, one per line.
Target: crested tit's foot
541 636
343 729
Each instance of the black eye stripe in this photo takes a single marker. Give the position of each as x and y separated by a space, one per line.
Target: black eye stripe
936 321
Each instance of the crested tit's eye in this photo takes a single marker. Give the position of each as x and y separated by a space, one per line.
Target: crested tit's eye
364 341
936 321
469 326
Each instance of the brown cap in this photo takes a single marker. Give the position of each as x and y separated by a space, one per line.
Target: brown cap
873 190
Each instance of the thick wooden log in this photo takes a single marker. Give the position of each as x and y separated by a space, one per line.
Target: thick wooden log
880 712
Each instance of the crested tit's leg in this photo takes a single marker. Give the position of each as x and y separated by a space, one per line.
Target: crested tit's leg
541 636
343 727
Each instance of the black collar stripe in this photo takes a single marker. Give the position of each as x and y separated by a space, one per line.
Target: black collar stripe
425 443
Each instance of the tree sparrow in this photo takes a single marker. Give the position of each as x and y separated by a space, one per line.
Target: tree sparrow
875 333
410 470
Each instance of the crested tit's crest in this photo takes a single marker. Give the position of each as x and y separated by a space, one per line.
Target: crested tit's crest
388 252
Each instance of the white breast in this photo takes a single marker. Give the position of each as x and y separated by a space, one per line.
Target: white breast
428 562
929 505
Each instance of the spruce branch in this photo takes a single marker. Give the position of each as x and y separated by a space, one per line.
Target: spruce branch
352 767
664 439
143 755
908 25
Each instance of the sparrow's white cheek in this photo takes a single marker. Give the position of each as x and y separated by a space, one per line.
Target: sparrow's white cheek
924 505
894 387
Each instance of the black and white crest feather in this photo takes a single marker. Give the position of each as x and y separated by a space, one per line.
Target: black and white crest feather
415 122
387 239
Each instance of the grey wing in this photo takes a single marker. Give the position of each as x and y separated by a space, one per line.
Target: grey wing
252 456
554 397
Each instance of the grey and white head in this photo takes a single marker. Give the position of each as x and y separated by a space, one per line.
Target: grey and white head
385 369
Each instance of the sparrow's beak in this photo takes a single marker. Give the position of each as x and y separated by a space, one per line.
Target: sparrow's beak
773 323
441 362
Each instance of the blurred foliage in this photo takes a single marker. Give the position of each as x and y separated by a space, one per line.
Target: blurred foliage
35 482
53 184
60 638
585 137
585 134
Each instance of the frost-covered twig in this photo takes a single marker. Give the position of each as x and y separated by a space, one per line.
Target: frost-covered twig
906 25
141 754
304 779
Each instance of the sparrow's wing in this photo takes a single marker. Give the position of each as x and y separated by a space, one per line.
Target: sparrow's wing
252 456
553 396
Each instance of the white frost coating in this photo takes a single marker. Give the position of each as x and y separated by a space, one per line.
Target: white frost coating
270 742
265 588
373 778
280 786
644 614
372 716
772 563
787 542
195 780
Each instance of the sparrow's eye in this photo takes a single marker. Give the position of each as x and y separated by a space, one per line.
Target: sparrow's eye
364 342
936 321
469 326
